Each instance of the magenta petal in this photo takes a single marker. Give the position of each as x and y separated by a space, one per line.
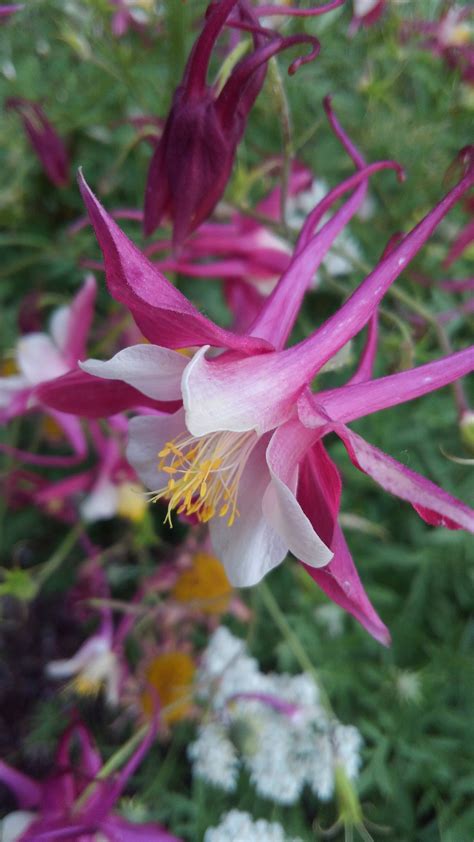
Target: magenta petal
367 359
43 138
433 504
357 400
357 310
463 240
80 319
78 393
27 792
162 313
319 492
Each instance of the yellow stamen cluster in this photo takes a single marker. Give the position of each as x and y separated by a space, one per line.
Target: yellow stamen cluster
204 474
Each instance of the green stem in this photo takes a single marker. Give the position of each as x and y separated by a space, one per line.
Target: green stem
113 763
54 562
294 643
287 134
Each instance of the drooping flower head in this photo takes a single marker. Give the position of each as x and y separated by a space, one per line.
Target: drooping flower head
44 139
193 159
244 452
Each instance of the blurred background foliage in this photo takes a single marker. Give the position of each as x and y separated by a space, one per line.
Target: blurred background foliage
414 702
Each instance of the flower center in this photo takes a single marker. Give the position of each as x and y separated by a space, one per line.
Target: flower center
204 474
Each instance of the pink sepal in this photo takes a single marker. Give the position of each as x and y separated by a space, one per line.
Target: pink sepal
319 492
81 394
162 313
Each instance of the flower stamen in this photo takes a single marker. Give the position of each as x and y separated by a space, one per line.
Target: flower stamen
204 474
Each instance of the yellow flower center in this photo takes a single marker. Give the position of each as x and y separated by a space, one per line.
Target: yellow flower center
204 474
205 585
170 675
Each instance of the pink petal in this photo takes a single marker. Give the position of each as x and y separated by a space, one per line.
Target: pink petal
357 310
432 503
154 371
267 11
163 314
359 399
281 508
251 547
366 363
90 397
27 792
462 241
39 359
73 431
319 492
80 319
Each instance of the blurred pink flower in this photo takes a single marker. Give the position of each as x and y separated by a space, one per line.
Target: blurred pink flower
44 139
49 808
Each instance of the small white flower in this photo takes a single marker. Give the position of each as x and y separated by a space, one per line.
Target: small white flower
237 826
214 758
273 725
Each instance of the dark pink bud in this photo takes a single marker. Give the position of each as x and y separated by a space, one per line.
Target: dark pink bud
44 139
193 159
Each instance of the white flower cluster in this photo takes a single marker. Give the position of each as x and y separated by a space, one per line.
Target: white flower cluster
271 725
237 826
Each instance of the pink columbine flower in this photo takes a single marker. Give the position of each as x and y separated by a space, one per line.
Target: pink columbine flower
244 452
50 809
451 37
40 357
127 15
43 138
193 159
366 13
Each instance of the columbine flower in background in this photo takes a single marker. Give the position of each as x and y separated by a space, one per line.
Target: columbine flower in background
51 810
130 14
451 37
272 725
245 451
237 826
366 12
193 159
44 139
95 665
40 357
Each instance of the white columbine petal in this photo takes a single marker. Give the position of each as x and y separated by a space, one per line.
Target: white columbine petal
154 371
39 359
251 547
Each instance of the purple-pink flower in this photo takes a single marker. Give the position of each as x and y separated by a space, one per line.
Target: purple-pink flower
44 139
72 803
244 451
